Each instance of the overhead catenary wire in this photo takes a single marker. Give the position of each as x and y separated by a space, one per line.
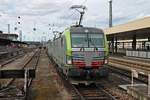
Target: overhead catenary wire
84 2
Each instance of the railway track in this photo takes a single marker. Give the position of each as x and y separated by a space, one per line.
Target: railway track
91 92
7 60
15 87
123 67
141 78
130 64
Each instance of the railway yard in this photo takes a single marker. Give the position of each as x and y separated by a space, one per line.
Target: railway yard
49 84
51 72
46 54
33 74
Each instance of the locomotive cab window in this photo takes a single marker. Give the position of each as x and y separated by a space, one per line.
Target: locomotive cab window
96 40
87 40
79 40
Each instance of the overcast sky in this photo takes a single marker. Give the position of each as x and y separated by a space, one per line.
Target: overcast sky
44 14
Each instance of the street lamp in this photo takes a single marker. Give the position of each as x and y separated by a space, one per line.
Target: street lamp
110 13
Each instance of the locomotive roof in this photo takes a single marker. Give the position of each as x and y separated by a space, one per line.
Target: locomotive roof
83 29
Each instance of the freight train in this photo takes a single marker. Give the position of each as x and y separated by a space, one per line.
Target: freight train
81 53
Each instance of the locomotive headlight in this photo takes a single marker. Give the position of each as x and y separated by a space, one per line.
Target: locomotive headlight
69 60
106 61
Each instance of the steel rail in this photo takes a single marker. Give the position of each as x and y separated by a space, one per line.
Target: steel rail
24 67
102 94
111 97
66 81
76 92
127 73
132 64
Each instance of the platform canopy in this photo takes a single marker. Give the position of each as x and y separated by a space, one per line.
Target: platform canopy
8 42
139 28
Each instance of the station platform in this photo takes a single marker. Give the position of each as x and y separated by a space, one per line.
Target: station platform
134 59
125 87
139 92
141 65
45 86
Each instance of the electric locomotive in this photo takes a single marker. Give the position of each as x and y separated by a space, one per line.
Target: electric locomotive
81 53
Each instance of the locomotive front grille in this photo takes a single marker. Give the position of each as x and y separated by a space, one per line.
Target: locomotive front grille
87 59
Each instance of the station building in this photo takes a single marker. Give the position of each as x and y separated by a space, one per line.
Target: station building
11 36
131 39
10 41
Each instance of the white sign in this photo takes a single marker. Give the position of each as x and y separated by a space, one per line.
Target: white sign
135 73
149 84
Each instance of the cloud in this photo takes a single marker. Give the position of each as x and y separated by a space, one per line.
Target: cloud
40 13
33 7
73 16
4 2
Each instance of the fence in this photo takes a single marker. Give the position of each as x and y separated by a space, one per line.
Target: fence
136 53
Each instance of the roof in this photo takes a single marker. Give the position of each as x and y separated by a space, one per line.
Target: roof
84 29
7 41
143 23
4 41
3 34
33 42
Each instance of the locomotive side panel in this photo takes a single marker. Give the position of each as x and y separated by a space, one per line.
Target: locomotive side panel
59 50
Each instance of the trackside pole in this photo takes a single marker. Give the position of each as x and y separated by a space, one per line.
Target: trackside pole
25 80
132 78
148 84
134 73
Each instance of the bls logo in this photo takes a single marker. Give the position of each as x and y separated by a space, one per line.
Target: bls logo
100 53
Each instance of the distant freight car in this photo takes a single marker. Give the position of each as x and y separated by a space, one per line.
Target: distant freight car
81 53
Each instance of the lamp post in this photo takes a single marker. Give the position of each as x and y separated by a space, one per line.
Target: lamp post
110 25
110 13
8 28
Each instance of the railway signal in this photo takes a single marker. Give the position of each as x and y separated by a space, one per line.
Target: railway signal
34 29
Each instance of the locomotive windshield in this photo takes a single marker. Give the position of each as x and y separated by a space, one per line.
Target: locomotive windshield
79 40
87 40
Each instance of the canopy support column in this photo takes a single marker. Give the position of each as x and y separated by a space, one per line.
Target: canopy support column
134 42
116 46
